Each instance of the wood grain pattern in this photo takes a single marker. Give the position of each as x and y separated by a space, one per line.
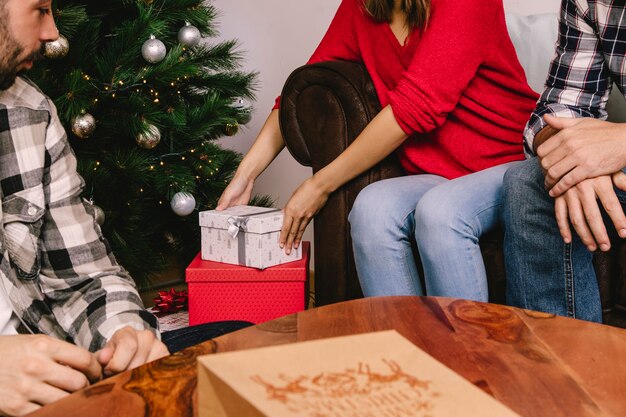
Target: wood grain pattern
537 364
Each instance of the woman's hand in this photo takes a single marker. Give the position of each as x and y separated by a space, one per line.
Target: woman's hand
305 202
237 193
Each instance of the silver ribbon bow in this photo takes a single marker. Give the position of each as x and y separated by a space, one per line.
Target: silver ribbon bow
237 224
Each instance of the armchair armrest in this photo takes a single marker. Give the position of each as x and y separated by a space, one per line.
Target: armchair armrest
323 109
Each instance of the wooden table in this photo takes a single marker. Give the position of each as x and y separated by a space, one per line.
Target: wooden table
537 364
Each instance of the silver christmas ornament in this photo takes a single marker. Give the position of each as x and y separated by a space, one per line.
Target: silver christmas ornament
153 50
183 203
189 35
150 138
84 125
245 110
99 215
58 48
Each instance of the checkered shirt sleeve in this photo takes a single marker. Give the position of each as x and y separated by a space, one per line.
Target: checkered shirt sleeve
88 293
579 81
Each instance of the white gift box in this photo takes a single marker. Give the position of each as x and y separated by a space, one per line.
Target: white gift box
244 235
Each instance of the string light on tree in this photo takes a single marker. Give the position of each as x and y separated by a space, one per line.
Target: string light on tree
189 35
83 125
183 204
153 50
57 48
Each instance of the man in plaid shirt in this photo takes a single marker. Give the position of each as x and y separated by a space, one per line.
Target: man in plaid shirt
58 278
574 172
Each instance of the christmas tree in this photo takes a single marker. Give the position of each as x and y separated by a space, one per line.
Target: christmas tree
144 94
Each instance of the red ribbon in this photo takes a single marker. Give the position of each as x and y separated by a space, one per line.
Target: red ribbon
171 302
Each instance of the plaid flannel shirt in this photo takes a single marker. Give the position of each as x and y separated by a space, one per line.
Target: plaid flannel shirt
56 268
590 56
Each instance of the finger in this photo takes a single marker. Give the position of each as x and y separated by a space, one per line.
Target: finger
124 349
614 209
578 220
305 222
619 180
73 356
593 217
284 231
158 351
568 180
562 219
65 378
293 232
559 123
47 394
145 340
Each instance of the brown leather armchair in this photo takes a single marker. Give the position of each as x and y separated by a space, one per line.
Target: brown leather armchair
323 108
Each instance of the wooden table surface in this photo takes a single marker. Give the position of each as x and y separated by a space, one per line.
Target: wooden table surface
537 364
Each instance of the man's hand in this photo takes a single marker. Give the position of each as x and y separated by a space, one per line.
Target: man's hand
305 202
579 205
583 148
128 349
37 370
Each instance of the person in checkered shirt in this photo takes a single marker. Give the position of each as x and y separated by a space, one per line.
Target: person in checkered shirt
58 278
573 177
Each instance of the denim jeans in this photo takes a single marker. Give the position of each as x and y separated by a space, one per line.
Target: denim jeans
444 218
185 337
543 272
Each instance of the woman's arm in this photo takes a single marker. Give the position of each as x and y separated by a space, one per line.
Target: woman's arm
381 137
266 147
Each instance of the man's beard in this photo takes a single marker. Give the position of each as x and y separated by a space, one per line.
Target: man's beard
11 51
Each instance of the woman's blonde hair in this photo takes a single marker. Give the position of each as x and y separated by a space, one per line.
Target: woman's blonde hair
417 11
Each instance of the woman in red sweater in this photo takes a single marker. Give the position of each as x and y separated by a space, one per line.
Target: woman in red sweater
454 102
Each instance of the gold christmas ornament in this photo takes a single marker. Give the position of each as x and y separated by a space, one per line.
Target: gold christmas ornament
150 138
84 125
57 49
231 128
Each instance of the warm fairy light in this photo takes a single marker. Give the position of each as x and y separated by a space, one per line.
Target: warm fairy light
86 77
197 177
141 190
95 100
97 162
151 167
160 202
120 82
144 81
156 100
178 92
106 88
113 95
182 158
192 150
162 163
172 84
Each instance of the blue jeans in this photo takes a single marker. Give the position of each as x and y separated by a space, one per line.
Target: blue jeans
543 272
185 337
444 218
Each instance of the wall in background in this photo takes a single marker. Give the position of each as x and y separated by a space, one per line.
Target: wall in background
277 36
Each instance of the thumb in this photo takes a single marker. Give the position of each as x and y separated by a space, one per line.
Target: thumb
559 123
619 180
104 355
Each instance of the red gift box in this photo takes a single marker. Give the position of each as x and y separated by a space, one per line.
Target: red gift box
219 291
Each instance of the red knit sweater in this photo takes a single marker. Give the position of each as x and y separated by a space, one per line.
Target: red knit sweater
457 87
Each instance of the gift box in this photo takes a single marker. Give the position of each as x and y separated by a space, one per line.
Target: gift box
378 374
220 291
244 235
